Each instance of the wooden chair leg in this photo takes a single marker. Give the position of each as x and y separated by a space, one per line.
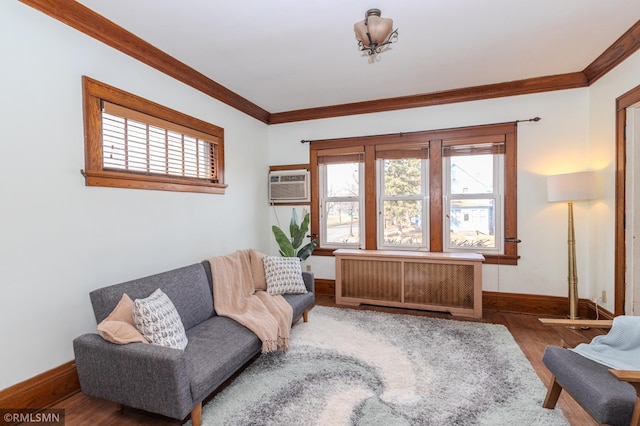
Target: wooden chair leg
305 316
196 415
553 393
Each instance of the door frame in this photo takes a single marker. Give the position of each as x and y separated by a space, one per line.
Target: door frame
620 256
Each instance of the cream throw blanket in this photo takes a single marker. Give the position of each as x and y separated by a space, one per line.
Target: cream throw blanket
235 296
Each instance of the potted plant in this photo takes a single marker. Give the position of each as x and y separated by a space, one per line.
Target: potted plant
289 246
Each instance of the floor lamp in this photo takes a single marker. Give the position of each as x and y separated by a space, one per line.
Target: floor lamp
571 187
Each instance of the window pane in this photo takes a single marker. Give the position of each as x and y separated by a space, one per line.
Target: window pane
472 223
343 226
343 180
402 222
402 177
472 174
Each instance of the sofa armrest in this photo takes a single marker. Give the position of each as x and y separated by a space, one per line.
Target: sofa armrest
633 378
577 323
630 376
309 281
144 376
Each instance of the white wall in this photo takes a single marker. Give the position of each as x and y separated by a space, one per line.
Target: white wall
556 144
59 239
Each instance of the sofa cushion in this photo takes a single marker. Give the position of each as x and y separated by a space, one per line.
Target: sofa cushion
283 275
300 302
188 288
607 399
217 348
157 319
118 327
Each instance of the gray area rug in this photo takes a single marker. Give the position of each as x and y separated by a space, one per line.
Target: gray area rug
350 367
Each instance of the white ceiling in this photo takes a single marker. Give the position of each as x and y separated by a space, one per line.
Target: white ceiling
286 55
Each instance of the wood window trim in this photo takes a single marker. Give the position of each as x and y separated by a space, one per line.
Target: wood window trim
94 92
434 139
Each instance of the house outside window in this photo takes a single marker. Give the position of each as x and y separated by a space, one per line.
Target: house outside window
473 203
442 191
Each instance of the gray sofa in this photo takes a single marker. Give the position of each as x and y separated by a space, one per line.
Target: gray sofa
163 380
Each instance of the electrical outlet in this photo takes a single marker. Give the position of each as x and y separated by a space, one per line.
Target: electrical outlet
308 268
604 296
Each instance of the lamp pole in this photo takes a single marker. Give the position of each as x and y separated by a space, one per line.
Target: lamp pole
572 187
572 272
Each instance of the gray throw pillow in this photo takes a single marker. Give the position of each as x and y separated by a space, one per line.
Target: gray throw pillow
157 319
283 275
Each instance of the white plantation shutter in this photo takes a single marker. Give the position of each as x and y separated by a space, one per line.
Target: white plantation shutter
139 143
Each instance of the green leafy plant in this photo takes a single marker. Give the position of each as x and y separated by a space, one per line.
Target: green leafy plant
289 246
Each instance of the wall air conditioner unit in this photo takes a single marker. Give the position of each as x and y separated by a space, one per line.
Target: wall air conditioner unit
289 186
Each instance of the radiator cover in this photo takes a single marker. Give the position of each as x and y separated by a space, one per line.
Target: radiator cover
447 282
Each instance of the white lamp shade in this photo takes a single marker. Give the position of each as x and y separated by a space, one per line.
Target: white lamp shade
571 187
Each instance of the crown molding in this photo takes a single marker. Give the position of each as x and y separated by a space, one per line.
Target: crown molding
620 50
97 26
489 91
85 20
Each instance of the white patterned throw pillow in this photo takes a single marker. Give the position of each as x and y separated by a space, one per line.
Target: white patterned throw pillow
157 319
283 275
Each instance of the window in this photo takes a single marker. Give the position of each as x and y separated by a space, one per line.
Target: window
402 197
133 143
473 188
341 200
446 190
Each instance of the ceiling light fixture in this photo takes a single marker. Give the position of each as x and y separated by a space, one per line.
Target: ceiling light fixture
374 32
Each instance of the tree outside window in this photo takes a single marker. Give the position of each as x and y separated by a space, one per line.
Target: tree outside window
402 200
441 190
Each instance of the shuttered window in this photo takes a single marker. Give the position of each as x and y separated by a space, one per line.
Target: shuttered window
138 142
134 143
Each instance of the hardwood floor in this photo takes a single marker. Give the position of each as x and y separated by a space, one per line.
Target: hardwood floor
528 332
